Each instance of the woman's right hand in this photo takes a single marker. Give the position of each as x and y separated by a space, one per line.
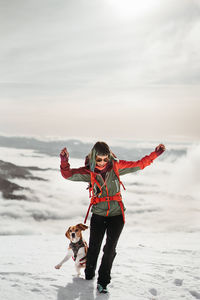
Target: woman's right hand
64 153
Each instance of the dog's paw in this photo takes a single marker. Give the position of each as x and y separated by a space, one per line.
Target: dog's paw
58 266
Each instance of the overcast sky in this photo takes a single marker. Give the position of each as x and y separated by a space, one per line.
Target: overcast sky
100 68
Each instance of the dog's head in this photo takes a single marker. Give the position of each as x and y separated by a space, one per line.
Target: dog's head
74 232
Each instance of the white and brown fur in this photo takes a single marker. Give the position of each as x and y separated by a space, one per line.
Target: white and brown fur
74 234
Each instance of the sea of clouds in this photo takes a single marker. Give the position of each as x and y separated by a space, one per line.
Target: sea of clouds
163 197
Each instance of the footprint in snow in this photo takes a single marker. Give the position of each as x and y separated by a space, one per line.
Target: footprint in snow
195 294
178 282
153 292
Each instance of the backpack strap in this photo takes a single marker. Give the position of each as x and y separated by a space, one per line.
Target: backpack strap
91 192
93 181
116 170
95 200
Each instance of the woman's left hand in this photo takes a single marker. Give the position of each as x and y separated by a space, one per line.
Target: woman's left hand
160 149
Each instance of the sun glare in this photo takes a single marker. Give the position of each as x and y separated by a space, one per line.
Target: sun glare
131 8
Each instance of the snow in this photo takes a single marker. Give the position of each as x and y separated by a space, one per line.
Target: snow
147 266
158 255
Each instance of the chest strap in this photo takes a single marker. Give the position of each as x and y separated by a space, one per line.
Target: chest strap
95 200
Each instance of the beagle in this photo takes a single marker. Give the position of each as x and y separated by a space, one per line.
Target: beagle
77 248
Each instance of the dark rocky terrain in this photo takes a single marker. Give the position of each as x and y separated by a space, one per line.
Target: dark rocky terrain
9 171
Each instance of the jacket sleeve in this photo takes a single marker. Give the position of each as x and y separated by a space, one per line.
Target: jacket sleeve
78 174
126 167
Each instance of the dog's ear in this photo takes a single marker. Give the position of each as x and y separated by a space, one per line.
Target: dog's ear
82 226
67 233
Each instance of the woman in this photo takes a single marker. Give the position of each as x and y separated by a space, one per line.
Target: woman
102 170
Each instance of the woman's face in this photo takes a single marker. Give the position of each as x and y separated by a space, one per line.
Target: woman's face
102 160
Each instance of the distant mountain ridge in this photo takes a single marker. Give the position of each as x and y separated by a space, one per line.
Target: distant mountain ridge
76 148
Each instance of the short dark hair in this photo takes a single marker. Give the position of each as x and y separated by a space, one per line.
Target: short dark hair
101 148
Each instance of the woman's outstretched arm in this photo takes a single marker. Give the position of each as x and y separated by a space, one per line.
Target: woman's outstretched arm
75 174
126 167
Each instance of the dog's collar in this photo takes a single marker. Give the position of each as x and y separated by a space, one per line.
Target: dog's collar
76 246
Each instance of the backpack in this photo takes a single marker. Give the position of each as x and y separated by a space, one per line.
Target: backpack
97 199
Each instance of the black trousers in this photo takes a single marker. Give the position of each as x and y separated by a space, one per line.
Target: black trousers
100 225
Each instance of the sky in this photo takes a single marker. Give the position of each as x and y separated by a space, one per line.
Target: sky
123 69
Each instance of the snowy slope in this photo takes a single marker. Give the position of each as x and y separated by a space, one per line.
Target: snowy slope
148 266
158 252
